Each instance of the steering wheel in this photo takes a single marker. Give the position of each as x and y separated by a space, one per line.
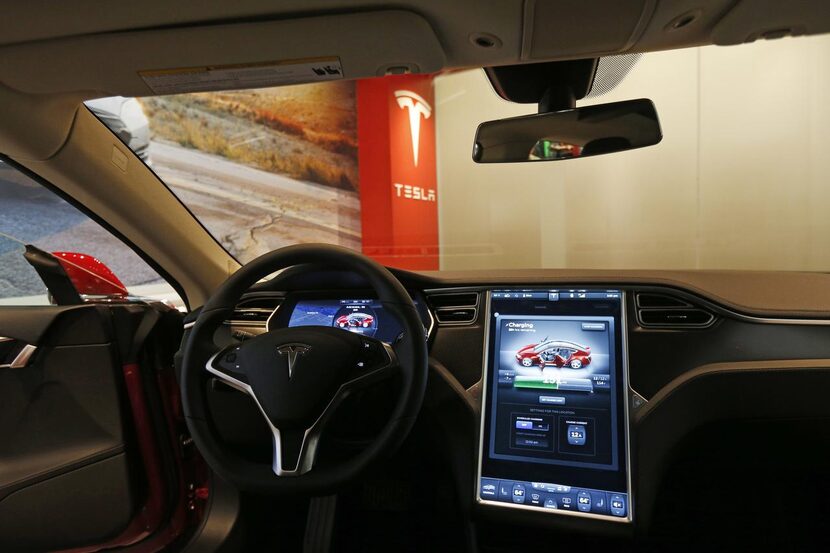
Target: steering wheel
298 376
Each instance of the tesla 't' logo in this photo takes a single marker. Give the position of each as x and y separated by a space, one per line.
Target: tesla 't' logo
416 106
293 352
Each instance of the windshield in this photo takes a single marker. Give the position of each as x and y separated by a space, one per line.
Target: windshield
739 181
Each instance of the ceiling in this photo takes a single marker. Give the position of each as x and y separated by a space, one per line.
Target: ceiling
76 46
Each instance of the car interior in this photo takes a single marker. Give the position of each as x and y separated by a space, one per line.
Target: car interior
332 395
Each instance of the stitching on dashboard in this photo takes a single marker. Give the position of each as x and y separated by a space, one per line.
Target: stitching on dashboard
678 383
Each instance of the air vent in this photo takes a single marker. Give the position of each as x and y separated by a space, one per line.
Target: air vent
260 302
454 308
660 300
464 299
666 312
254 312
461 315
255 317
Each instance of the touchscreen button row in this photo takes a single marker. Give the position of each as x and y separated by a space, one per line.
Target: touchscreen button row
555 496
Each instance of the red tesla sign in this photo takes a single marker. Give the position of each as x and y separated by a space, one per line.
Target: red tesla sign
398 191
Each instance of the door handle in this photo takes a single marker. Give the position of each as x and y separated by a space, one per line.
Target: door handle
22 358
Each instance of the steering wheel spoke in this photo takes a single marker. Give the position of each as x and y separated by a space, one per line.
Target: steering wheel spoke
295 450
377 362
226 366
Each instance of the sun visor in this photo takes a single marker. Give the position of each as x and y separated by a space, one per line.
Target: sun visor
560 30
244 55
767 19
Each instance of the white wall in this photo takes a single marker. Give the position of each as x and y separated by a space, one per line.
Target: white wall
741 179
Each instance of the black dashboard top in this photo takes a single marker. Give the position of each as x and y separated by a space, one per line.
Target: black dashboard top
764 294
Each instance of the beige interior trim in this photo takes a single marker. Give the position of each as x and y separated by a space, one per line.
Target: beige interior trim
110 64
751 20
74 45
35 126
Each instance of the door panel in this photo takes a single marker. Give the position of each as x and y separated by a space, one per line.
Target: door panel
66 473
75 508
54 325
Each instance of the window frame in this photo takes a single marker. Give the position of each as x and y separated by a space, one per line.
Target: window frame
104 224
172 193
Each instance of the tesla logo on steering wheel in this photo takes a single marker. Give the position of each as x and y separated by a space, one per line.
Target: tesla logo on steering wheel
293 352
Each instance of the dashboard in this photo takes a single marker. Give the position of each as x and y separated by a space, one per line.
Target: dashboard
562 400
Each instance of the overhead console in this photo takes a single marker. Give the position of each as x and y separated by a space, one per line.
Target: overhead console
554 418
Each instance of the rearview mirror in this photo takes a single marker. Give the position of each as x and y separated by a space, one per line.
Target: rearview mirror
569 134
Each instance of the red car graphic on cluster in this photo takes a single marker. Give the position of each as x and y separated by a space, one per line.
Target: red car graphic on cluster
556 353
353 320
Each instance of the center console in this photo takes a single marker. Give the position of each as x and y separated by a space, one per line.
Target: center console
554 426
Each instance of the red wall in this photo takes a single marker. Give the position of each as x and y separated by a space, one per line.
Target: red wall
399 198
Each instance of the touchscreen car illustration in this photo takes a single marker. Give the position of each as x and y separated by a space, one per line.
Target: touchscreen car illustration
556 353
353 320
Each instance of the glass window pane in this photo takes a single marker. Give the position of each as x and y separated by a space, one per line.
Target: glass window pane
35 215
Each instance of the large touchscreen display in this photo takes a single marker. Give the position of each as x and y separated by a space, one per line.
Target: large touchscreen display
554 419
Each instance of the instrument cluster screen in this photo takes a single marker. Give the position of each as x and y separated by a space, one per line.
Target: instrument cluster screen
359 315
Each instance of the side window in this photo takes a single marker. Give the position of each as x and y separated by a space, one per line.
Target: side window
32 214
